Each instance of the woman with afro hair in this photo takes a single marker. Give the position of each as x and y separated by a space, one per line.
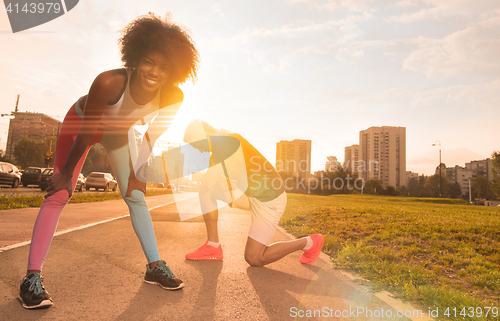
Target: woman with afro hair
158 56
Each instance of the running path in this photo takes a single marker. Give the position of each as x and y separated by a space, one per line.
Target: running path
17 224
97 274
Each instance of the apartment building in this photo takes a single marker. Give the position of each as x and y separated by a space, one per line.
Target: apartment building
332 164
294 157
382 152
36 126
351 158
462 175
481 167
409 176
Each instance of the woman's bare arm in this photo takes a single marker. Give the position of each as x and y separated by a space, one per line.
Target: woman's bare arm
104 89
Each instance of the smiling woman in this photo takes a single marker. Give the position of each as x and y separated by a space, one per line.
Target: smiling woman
150 34
158 56
152 73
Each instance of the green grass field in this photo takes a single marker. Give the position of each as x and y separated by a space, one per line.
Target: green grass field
431 252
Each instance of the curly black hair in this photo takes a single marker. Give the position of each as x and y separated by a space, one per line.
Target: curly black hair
151 33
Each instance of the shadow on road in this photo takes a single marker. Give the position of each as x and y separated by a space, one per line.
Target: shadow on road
283 294
13 310
204 307
148 300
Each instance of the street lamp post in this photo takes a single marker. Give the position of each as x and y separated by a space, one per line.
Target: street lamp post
16 109
470 196
440 177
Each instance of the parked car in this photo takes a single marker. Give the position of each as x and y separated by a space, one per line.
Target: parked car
47 174
9 175
32 176
98 180
80 183
45 178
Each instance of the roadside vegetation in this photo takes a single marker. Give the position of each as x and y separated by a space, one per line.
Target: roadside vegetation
431 252
15 200
340 180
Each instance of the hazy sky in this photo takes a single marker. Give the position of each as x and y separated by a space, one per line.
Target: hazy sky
285 69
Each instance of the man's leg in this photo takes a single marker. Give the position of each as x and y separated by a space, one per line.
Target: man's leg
212 190
258 254
208 201
266 216
211 250
211 220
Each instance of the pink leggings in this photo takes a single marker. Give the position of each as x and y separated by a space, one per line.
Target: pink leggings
48 216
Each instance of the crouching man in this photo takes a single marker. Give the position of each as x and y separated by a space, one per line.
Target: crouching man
242 177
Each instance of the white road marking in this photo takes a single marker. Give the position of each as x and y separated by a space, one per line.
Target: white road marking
14 246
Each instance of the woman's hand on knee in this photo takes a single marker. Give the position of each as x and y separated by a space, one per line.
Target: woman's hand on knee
59 182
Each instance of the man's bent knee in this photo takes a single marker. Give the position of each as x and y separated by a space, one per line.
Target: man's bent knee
254 260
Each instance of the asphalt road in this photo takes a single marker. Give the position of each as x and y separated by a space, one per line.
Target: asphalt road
94 271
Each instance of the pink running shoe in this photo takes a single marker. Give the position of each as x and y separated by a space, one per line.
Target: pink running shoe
310 256
206 253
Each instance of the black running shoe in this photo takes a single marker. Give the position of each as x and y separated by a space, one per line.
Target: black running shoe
32 293
162 276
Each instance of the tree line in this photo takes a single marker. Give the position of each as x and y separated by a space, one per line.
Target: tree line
343 181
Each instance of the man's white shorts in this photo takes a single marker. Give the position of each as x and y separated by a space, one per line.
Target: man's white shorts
266 215
265 218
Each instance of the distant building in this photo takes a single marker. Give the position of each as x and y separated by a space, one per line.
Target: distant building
409 176
383 155
462 175
294 157
36 126
332 164
351 158
481 167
